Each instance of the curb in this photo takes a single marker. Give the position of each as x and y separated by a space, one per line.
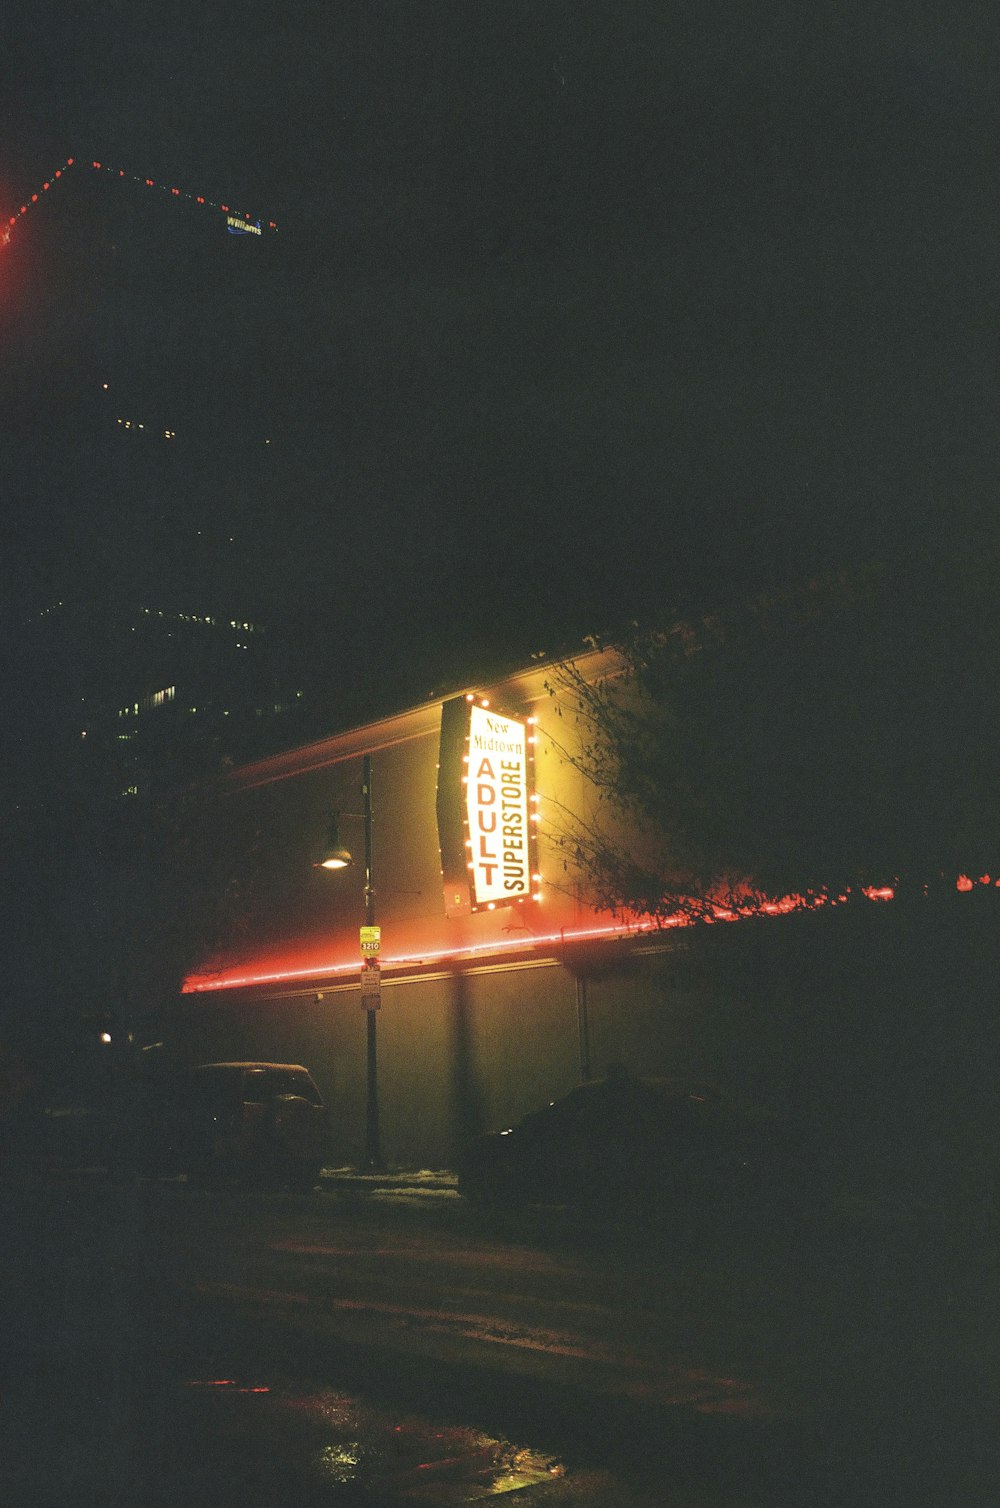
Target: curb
393 1180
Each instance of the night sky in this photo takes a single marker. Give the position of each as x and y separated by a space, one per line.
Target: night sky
574 311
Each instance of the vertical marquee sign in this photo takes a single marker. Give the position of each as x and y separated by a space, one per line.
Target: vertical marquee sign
484 807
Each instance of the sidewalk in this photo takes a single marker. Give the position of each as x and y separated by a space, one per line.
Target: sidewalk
404 1182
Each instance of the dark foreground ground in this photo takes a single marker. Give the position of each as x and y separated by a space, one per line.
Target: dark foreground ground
366 1345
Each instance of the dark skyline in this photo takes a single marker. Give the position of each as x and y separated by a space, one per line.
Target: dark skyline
573 310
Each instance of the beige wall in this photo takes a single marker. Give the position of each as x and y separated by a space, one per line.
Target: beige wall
304 921
837 1015
456 1054
481 1017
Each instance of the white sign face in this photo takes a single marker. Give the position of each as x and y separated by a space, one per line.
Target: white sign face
371 984
497 807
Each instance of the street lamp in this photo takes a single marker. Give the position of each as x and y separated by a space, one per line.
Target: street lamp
335 856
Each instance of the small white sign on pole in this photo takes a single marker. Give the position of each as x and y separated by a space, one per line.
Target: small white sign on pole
371 984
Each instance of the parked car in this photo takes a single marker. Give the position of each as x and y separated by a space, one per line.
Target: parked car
653 1144
234 1122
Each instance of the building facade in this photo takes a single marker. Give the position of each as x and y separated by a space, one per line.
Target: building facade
114 693
500 986
869 1023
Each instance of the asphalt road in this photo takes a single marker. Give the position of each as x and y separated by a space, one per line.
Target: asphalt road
171 1346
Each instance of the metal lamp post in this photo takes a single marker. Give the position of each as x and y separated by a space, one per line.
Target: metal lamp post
373 1145
338 857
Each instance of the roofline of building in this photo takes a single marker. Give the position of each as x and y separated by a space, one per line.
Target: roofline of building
522 687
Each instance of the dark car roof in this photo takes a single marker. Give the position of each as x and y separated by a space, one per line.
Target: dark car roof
682 1088
661 1090
659 1100
238 1067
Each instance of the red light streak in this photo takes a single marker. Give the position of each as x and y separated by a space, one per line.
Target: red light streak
176 193
200 983
225 1382
121 173
244 977
13 219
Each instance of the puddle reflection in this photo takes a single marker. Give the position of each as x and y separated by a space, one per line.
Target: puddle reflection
364 1455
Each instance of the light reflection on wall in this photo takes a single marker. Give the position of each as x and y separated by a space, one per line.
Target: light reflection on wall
309 934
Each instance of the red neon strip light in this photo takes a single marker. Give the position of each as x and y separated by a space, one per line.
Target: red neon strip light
202 984
197 984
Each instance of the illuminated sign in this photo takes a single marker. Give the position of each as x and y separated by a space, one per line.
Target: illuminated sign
484 807
496 804
238 227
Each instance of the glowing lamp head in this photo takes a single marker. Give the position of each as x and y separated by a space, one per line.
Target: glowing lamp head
334 855
337 859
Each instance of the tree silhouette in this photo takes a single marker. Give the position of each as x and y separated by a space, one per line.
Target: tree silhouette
840 736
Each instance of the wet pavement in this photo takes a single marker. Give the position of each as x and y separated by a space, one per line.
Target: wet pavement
168 1349
124 1384
262 1438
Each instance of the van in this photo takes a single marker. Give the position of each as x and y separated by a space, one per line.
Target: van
249 1122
